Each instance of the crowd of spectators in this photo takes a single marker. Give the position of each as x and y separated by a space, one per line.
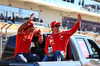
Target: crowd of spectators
91 8
94 8
67 22
90 26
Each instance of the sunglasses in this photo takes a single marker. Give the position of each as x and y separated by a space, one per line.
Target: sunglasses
56 26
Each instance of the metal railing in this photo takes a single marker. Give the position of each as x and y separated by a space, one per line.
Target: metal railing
2 41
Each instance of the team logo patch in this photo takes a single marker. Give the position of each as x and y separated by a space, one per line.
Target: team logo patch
51 37
52 41
25 36
28 23
60 34
24 39
61 37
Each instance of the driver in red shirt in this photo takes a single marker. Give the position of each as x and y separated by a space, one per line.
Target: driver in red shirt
59 41
23 41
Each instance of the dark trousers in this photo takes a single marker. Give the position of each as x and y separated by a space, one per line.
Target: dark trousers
57 56
26 57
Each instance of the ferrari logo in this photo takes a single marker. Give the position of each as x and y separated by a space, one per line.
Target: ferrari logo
51 40
25 36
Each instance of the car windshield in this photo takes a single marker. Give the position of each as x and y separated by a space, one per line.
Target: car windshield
82 46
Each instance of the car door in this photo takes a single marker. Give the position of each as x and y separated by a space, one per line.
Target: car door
83 50
93 50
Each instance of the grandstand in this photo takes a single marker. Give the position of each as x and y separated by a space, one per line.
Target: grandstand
16 12
97 0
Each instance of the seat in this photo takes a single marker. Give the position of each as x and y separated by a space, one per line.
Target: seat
39 50
9 49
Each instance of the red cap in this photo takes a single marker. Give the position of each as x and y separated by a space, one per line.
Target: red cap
29 24
55 23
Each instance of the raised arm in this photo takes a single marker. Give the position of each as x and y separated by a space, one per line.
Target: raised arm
24 24
77 25
79 18
75 28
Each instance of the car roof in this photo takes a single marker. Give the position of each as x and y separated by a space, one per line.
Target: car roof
74 35
80 35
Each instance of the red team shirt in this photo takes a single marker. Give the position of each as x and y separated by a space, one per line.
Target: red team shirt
60 40
23 42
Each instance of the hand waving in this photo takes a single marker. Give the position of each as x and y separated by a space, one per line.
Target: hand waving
79 18
31 17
